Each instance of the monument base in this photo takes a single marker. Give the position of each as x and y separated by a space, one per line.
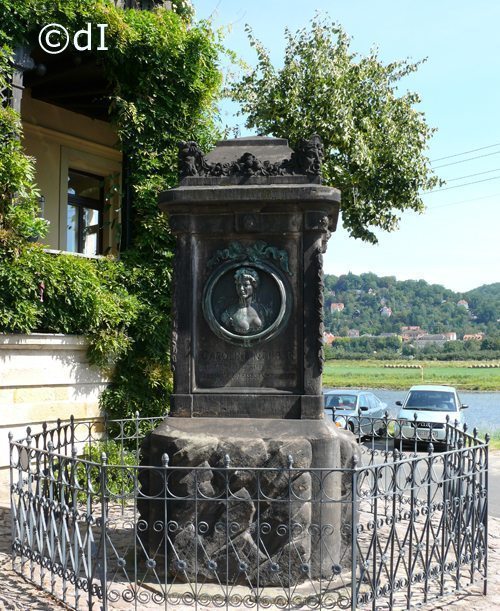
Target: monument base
280 508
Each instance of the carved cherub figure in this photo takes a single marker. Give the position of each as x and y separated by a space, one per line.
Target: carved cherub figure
191 159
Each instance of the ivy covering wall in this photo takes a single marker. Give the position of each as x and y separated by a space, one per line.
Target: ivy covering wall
165 78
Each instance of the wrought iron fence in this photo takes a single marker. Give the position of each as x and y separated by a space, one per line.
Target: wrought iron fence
98 530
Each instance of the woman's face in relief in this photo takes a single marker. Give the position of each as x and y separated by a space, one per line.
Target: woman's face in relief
244 287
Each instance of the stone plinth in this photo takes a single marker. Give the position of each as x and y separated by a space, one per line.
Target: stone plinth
288 521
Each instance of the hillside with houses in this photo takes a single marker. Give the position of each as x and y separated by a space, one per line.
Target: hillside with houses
420 314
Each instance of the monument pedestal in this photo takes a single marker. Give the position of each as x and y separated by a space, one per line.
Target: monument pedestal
252 221
279 507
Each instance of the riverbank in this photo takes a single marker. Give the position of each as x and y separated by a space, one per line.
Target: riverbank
464 375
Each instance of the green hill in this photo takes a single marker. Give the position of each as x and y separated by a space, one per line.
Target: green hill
373 305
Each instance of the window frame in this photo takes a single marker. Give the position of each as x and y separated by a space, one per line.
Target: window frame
80 202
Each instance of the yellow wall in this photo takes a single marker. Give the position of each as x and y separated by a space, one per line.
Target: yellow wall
59 139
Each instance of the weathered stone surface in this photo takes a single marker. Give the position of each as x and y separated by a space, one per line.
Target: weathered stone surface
267 510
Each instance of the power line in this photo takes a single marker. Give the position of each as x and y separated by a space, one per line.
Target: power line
462 201
472 175
445 165
474 182
482 148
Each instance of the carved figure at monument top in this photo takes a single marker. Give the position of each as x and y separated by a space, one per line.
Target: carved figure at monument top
246 316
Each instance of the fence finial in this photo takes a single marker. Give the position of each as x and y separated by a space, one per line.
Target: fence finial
227 460
289 460
165 460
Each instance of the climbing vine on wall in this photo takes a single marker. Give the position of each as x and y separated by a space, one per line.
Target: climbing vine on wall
164 73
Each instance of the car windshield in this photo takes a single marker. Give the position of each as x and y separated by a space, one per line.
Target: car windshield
341 401
431 400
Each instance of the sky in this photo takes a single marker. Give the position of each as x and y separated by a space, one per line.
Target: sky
456 242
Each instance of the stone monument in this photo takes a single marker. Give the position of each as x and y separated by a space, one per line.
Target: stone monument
252 221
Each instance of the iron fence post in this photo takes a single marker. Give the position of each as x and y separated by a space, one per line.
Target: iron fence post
12 501
459 501
104 532
165 463
354 532
430 459
485 512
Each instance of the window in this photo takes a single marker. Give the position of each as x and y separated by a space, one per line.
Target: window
84 213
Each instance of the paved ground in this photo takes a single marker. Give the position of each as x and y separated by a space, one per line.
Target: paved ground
16 594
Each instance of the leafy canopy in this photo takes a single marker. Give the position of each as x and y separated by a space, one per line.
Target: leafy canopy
375 139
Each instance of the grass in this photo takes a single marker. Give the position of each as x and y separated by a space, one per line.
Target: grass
375 374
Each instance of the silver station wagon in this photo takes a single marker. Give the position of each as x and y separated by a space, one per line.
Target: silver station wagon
358 411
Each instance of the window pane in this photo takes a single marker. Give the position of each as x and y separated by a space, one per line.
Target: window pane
84 186
90 231
72 229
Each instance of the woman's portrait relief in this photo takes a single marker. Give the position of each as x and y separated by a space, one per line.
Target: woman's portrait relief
245 316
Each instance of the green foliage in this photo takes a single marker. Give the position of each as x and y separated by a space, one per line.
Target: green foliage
430 306
120 476
412 302
66 294
375 139
364 347
165 78
18 195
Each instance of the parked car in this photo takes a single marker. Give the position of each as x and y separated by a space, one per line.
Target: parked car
359 411
424 411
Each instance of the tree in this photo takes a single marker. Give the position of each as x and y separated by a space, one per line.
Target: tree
374 138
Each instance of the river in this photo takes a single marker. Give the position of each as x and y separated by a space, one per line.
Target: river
483 411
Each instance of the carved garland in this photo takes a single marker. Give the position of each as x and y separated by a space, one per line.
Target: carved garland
258 251
320 306
305 160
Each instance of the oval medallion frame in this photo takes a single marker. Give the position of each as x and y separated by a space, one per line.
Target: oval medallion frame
281 288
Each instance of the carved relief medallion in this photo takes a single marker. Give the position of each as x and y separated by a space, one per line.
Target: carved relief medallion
247 301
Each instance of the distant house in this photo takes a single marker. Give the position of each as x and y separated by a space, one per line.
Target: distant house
436 339
336 307
451 336
328 338
411 333
474 336
386 311
353 333
463 303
